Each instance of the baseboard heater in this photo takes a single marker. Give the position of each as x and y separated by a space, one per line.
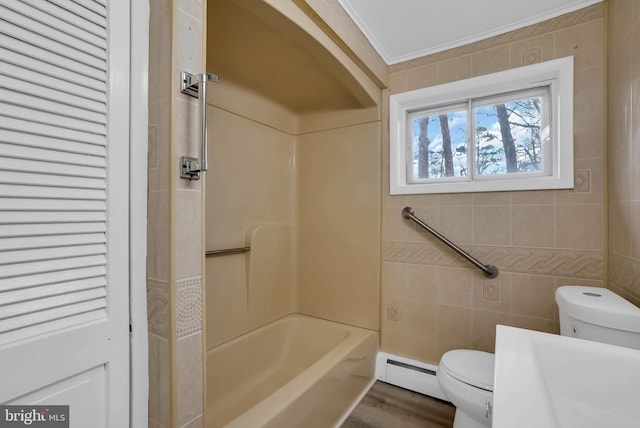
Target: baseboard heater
408 374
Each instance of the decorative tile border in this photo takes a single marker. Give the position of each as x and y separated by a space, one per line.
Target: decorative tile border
418 253
538 261
158 307
188 306
587 14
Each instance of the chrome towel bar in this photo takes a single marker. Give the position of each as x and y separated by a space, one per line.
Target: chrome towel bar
490 271
227 251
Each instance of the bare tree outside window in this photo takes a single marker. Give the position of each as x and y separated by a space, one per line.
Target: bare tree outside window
508 137
423 148
446 145
439 144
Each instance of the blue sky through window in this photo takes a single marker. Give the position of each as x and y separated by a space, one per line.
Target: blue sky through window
524 126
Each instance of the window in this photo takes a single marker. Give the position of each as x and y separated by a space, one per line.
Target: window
511 130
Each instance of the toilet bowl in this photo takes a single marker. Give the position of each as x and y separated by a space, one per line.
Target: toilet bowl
589 313
466 379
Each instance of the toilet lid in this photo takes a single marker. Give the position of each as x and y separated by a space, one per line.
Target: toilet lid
474 368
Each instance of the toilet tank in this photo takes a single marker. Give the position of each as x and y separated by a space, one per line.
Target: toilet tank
598 314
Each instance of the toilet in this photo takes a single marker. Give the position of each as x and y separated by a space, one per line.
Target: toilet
598 314
466 379
590 313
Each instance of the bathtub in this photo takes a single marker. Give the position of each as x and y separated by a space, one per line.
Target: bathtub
298 371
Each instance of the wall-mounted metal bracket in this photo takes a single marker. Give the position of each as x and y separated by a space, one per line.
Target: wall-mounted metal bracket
189 83
190 168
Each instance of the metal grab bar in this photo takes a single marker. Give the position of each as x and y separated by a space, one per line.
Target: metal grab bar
196 86
490 271
227 251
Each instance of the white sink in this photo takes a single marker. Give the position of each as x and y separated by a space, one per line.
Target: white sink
546 380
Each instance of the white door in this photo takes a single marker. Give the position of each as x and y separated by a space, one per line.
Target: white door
64 214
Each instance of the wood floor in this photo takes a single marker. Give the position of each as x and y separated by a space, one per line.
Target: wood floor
387 406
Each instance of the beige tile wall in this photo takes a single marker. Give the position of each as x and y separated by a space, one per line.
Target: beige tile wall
624 148
432 301
158 221
188 393
174 268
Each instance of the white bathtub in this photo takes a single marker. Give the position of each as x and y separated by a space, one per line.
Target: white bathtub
298 371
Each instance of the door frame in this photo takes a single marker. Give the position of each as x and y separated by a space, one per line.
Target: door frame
138 145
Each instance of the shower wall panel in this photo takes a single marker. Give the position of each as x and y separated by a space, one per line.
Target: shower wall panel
339 224
249 202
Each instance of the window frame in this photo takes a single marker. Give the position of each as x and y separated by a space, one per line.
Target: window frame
556 74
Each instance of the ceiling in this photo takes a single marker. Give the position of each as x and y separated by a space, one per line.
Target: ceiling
405 29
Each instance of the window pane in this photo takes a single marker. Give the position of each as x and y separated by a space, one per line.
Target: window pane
508 136
439 144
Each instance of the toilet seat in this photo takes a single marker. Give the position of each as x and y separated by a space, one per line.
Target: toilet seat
475 368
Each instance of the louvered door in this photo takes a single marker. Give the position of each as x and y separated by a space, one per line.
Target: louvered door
64 143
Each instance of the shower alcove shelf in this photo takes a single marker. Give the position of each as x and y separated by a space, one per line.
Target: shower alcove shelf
294 161
298 79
